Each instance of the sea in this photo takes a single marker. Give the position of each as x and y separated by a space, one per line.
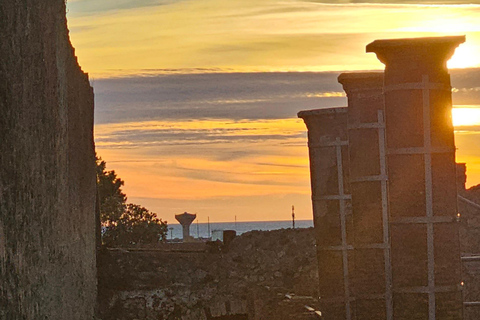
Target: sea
205 230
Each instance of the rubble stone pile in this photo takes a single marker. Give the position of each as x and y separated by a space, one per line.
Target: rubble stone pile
259 267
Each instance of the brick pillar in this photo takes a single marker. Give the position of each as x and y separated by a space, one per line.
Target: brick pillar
421 177
328 150
372 278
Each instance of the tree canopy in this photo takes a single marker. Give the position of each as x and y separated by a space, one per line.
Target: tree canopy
124 223
112 199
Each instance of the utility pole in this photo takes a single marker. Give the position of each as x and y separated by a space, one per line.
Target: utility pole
208 227
293 216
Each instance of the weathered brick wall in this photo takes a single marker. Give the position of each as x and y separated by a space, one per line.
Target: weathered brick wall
47 177
470 244
182 285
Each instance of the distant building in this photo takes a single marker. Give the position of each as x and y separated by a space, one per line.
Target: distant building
186 219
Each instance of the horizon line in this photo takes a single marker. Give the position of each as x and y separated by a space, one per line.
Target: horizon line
109 74
255 221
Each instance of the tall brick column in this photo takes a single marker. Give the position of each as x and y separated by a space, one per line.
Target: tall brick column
328 150
421 177
372 278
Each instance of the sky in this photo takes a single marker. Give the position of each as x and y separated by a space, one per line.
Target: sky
196 101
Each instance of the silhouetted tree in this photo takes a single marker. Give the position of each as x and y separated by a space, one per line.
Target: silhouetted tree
112 199
136 225
124 224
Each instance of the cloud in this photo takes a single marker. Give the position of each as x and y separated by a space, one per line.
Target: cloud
415 2
235 96
245 178
269 35
214 96
82 7
465 83
200 132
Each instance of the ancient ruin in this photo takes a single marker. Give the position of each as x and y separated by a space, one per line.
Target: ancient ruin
372 283
401 259
191 282
469 218
328 152
422 197
390 242
47 168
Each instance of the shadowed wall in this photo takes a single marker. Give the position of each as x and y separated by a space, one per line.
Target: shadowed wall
47 177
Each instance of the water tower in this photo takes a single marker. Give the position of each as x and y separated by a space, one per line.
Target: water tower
185 220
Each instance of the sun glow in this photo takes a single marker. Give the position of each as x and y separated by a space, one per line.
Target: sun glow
466 56
466 116
252 36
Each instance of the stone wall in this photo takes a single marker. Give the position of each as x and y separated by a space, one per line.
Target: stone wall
470 244
47 173
249 279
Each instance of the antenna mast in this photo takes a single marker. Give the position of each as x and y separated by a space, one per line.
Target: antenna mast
293 216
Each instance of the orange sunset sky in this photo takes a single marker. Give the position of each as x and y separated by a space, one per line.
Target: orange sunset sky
196 101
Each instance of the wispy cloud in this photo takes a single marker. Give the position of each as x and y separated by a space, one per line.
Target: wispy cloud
254 36
415 2
214 96
200 132
95 7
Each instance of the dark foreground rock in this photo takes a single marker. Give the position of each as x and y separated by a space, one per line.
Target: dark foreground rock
249 280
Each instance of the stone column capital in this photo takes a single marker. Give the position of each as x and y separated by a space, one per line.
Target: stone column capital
320 122
423 50
361 81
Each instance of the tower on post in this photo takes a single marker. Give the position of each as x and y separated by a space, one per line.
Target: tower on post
186 219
